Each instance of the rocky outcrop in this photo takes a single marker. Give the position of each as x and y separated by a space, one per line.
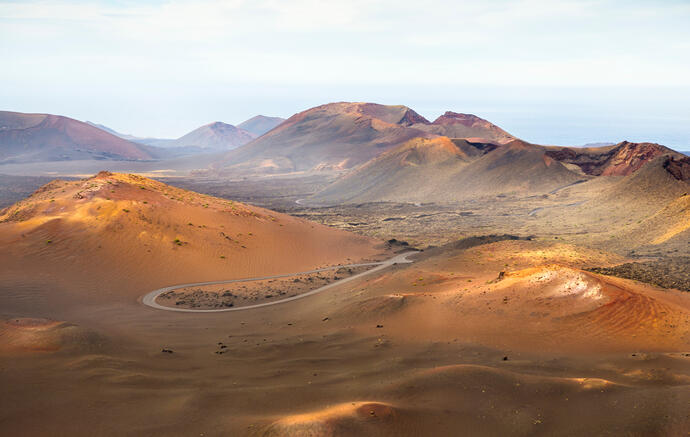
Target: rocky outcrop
679 168
620 160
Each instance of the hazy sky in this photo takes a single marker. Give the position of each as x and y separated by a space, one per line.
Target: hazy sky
549 71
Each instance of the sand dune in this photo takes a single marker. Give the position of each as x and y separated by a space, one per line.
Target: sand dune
34 335
348 418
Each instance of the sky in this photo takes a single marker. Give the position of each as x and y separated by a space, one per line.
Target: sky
549 71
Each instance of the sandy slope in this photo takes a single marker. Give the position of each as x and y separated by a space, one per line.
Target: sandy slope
444 346
441 170
418 350
115 224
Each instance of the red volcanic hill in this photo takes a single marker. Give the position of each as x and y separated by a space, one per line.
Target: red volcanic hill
116 224
443 170
217 135
333 136
620 159
45 137
455 125
341 136
260 124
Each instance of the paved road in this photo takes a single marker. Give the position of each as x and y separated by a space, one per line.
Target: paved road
150 298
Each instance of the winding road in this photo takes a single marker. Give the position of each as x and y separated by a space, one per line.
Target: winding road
149 299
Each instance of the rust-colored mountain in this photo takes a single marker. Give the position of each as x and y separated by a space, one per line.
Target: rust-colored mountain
455 125
45 137
333 136
340 136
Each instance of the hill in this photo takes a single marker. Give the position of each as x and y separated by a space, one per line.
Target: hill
455 125
659 191
46 137
341 136
217 135
260 124
335 136
645 212
115 224
444 170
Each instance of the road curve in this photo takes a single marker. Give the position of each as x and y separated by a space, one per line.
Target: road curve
149 299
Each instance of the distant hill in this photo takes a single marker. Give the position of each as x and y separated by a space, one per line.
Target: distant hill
340 136
260 124
445 170
455 125
333 136
46 137
113 131
217 135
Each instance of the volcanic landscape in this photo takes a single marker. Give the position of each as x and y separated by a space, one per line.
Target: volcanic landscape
352 270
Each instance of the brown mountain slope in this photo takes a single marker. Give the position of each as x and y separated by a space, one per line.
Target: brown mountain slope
217 135
333 136
659 194
45 137
455 125
645 209
260 124
441 170
661 179
115 224
618 160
